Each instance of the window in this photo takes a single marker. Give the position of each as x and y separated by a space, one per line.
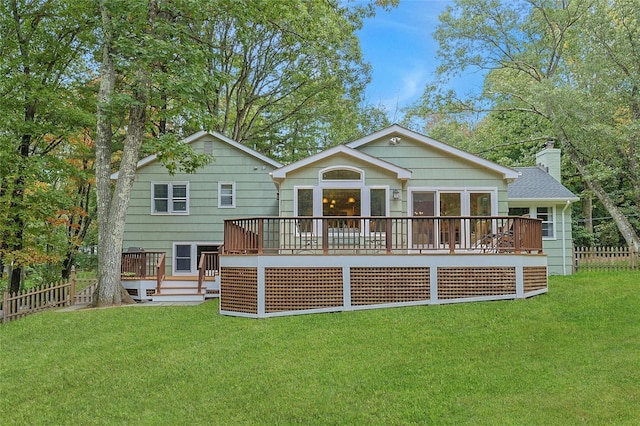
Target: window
305 208
546 214
186 256
519 211
341 174
480 204
378 207
341 202
378 201
305 202
170 198
226 195
182 258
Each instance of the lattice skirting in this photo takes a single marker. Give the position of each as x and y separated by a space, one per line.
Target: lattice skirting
461 282
291 289
239 289
269 286
371 285
535 278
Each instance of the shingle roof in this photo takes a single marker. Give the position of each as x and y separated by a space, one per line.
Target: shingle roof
536 183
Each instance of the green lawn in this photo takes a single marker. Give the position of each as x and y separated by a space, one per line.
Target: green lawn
570 356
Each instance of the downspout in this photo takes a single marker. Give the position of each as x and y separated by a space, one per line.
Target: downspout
564 241
277 183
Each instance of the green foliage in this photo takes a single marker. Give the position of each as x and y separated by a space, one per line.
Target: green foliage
43 45
177 156
561 71
284 77
534 361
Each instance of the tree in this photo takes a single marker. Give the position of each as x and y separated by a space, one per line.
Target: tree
41 50
265 73
280 76
572 68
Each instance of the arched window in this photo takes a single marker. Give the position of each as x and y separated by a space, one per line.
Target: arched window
341 174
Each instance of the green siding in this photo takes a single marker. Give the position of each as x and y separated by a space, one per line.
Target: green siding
430 168
255 196
553 247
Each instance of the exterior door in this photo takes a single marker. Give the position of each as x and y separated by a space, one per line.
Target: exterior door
450 205
423 230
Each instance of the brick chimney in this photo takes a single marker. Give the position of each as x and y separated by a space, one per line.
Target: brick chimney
549 159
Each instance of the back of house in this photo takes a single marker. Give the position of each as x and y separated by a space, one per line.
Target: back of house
183 214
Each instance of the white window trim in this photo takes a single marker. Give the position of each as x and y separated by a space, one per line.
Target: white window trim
174 259
194 261
233 195
533 212
170 210
552 211
315 204
465 192
366 201
337 183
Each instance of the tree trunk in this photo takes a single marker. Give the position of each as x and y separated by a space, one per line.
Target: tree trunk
587 211
621 221
112 209
109 252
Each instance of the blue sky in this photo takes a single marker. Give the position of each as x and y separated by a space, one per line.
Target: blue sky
400 47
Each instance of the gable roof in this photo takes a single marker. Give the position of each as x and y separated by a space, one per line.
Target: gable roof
401 173
536 184
196 136
397 130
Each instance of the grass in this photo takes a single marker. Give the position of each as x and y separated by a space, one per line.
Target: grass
570 356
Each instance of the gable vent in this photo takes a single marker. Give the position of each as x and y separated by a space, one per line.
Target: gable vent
208 147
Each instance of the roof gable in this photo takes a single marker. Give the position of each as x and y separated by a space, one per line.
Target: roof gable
401 173
199 135
398 131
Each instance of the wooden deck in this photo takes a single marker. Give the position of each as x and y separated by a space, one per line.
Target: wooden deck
143 276
289 266
391 235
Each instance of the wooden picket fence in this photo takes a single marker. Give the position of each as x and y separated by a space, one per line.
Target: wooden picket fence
605 259
49 296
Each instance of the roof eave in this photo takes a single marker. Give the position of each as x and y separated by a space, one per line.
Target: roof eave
560 200
507 172
194 137
401 173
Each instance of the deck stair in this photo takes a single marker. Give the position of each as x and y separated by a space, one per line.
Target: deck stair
175 289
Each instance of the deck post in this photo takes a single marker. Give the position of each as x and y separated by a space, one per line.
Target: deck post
433 283
452 236
519 282
261 291
260 235
346 287
5 304
517 235
325 235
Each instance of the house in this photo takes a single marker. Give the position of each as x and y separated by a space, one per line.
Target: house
391 219
539 192
182 216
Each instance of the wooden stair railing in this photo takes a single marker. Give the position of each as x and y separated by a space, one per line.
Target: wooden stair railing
209 261
160 272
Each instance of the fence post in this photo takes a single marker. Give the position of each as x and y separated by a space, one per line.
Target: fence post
72 290
5 305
